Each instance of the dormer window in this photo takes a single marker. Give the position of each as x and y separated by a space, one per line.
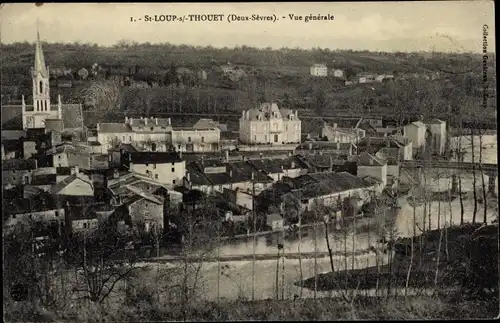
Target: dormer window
152 128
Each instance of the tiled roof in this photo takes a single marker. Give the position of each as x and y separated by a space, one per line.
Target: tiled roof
436 121
68 180
114 128
267 165
331 183
148 157
45 179
63 170
138 195
64 148
209 123
265 111
364 157
162 122
233 175
196 177
248 169
292 162
324 145
19 164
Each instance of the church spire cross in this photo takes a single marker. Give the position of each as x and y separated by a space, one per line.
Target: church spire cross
40 66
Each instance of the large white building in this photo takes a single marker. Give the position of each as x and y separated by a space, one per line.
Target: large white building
269 124
318 70
157 134
415 132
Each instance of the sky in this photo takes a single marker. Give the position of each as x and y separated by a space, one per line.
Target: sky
447 26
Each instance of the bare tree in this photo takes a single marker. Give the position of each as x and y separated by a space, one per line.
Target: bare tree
105 96
101 261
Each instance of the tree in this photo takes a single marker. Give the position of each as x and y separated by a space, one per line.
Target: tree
100 261
105 96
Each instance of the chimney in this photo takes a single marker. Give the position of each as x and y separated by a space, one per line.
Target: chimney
243 114
310 146
338 145
227 155
142 118
126 119
156 120
293 165
188 176
261 155
169 122
97 127
180 154
231 173
388 143
116 174
253 176
145 121
130 121
335 126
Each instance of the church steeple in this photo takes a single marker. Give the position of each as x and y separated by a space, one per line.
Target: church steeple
40 67
40 75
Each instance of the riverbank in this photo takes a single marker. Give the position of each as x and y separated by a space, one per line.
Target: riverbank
465 256
363 308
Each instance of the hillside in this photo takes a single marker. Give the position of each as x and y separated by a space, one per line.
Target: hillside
270 75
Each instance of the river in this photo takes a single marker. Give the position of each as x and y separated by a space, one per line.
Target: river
235 279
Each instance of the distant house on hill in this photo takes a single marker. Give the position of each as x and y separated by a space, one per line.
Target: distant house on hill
318 70
338 73
366 78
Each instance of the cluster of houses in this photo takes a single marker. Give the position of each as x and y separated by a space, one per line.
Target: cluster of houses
130 171
321 70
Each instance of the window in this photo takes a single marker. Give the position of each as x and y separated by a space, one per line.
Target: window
147 164
123 138
154 166
41 87
156 176
59 157
13 216
179 147
85 224
152 128
173 164
173 182
202 139
130 138
57 213
189 139
173 169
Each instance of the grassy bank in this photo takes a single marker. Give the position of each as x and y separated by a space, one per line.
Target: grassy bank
467 254
306 309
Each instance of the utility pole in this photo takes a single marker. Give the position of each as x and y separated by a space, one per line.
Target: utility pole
283 266
254 236
218 263
158 261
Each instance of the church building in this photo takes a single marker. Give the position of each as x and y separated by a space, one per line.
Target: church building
40 112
